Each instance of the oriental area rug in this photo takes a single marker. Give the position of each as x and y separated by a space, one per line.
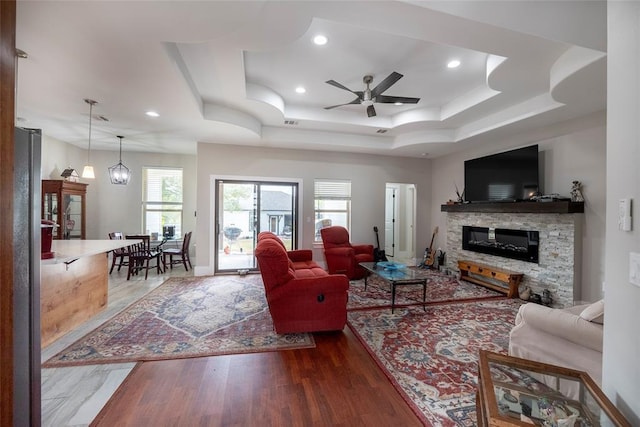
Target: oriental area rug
185 317
431 356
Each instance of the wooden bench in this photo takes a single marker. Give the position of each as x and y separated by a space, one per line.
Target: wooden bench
511 279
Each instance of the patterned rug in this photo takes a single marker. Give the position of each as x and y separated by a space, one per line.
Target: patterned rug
185 317
440 288
431 357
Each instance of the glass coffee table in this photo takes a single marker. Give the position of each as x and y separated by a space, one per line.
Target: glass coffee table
396 275
518 392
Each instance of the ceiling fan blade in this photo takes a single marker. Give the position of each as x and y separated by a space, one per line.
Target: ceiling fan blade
371 112
393 99
355 101
385 84
340 86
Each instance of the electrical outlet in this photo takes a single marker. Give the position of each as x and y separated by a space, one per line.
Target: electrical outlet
634 268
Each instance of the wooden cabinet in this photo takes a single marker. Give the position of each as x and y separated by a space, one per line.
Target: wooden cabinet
65 203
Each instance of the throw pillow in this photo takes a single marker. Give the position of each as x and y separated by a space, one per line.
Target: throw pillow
594 312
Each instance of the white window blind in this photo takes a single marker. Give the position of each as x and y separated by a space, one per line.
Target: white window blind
163 185
332 204
162 201
332 189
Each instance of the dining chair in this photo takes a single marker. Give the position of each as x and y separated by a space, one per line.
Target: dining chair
118 256
183 253
141 254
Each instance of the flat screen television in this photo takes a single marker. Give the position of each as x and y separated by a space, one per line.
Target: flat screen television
510 176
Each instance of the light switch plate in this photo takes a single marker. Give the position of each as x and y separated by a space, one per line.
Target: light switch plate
634 268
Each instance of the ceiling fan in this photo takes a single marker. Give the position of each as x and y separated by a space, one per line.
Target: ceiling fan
370 96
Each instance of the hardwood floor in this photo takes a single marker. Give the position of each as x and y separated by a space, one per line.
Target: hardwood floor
335 384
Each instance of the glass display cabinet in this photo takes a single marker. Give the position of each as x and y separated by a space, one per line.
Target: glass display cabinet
520 392
65 203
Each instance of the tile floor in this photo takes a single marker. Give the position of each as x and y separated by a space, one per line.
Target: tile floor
73 396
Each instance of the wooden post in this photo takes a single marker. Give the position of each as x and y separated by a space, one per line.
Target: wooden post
7 120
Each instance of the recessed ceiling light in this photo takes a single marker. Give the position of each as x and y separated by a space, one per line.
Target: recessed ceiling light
397 103
152 114
320 40
453 64
300 89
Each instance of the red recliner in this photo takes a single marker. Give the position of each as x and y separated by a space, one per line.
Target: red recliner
301 258
341 255
303 299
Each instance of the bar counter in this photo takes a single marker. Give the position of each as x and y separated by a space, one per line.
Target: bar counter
74 284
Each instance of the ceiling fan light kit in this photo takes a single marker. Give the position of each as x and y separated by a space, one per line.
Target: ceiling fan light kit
369 97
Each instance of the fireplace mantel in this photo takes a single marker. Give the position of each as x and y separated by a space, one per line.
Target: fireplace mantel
561 207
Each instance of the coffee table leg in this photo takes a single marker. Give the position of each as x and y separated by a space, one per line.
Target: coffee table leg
393 296
365 282
424 296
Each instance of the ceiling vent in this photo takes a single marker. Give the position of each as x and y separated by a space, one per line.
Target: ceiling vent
381 131
290 122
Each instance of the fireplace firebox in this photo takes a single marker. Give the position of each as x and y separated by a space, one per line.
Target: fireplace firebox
515 244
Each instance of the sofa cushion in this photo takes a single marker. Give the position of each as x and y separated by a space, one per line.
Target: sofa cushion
310 272
594 312
561 324
300 265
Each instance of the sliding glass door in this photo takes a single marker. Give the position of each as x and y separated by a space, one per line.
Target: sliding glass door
244 209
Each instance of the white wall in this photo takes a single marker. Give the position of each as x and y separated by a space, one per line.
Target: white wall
570 151
58 155
118 207
368 175
621 374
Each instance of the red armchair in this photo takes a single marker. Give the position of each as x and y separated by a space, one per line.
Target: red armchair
342 256
304 299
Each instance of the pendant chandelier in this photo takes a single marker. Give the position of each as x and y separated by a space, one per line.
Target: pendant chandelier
119 173
87 172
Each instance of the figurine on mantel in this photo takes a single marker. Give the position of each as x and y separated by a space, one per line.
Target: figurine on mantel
460 196
576 192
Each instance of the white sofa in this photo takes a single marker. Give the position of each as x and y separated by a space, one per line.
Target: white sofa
570 337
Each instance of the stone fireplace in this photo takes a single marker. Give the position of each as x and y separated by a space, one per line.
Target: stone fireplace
558 247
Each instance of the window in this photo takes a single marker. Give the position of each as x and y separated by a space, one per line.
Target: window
162 201
332 204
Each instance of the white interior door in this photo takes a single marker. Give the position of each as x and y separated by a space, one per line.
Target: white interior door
400 202
390 220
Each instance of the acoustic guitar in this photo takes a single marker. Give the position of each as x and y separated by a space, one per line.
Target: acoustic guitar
430 257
